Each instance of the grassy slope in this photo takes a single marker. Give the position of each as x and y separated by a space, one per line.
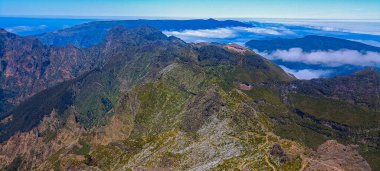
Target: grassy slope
310 130
187 112
160 130
183 107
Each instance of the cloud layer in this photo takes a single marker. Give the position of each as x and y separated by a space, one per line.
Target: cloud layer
228 32
203 33
327 58
307 74
370 27
264 30
19 29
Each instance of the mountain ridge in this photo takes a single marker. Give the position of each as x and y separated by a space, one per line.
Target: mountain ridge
83 35
158 102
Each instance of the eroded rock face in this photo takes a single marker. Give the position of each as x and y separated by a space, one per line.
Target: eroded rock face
337 157
201 108
41 142
237 48
28 66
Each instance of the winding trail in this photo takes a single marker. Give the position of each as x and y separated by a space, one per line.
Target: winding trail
269 163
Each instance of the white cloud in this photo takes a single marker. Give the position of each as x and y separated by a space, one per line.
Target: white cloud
257 30
307 74
228 32
19 29
349 26
326 28
328 58
205 33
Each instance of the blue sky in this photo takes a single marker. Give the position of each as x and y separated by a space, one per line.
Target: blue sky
319 9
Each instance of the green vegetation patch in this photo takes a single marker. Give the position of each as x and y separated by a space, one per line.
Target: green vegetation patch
160 106
84 150
295 164
99 93
16 163
269 101
372 156
337 111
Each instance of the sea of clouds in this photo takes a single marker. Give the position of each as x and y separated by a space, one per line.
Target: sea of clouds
238 35
20 29
307 74
328 58
356 32
329 62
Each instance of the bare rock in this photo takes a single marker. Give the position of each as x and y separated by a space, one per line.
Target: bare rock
337 157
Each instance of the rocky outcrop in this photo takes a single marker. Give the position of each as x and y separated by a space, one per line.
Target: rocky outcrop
337 157
41 142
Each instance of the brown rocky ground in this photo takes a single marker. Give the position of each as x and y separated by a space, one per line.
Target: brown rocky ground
332 156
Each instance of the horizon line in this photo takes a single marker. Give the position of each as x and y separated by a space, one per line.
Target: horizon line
167 17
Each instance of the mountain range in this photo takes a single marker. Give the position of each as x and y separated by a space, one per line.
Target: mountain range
134 98
82 35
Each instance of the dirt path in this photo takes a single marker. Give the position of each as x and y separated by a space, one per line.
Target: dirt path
269 163
260 147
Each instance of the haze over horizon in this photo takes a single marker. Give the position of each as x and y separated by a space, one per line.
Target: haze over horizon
321 9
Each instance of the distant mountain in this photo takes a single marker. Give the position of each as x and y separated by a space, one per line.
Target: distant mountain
89 34
309 43
119 42
28 66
